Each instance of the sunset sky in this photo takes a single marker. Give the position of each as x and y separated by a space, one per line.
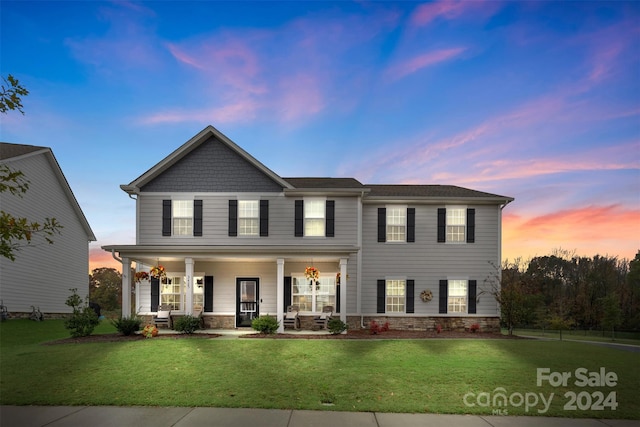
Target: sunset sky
535 100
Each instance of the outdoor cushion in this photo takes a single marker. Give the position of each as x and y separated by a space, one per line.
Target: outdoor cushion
163 314
291 314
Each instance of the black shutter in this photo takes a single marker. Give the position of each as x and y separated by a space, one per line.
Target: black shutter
443 296
411 225
411 287
208 294
382 225
472 296
287 291
264 218
330 218
299 218
197 217
442 225
155 293
338 299
471 225
233 217
381 296
166 217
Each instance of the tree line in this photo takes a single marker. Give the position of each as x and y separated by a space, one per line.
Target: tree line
562 291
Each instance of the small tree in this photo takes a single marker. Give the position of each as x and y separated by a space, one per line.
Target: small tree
83 320
11 95
611 313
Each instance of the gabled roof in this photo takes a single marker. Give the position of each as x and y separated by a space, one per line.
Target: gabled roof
13 152
448 192
204 135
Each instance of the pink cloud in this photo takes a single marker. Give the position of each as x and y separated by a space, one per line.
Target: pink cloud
240 111
424 60
597 229
451 9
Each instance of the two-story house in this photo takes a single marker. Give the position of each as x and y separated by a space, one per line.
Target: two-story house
235 239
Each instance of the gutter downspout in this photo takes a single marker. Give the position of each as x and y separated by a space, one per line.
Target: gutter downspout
113 254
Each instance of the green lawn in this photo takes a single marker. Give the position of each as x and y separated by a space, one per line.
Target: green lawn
349 375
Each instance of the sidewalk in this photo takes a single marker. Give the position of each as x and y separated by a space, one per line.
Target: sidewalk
117 416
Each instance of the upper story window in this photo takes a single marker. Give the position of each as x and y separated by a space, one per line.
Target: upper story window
182 217
396 224
248 218
456 224
314 218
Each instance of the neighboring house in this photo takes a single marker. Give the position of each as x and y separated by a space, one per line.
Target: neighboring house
235 239
43 273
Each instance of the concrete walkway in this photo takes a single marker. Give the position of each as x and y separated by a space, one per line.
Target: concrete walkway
117 416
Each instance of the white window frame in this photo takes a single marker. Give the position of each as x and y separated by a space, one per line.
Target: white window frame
457 295
248 218
321 295
395 293
456 224
315 219
182 217
396 224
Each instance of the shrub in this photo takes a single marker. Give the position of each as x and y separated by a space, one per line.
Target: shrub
375 328
474 328
438 328
83 320
336 326
127 325
187 324
265 324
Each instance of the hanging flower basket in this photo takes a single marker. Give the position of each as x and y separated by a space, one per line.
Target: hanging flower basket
311 273
426 295
158 272
141 275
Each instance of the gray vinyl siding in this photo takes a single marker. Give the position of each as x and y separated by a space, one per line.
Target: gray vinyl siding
42 274
212 167
426 261
216 221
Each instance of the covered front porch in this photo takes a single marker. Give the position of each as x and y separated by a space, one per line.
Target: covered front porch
233 285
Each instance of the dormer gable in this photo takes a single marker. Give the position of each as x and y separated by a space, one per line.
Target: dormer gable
209 162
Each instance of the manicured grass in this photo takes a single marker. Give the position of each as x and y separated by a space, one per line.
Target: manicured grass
620 337
351 375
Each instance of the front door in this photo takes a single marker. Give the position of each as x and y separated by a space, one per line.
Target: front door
247 294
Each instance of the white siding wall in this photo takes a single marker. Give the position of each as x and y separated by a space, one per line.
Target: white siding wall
427 261
42 273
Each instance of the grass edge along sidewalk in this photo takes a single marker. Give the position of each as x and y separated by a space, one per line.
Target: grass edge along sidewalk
453 376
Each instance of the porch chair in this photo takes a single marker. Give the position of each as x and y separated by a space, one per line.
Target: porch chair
323 319
291 317
163 316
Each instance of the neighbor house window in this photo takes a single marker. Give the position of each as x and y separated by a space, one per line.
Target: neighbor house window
457 296
314 217
456 224
313 296
395 296
248 218
182 211
396 224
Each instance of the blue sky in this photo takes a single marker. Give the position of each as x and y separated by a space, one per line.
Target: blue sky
535 100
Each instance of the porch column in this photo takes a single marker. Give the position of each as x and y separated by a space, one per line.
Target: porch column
126 287
280 294
188 269
343 290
